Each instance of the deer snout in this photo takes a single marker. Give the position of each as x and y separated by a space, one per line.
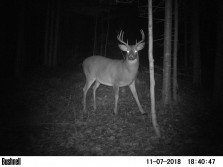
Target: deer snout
132 56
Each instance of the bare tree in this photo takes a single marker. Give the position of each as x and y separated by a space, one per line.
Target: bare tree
95 35
186 58
151 67
107 32
175 84
56 33
195 46
52 33
102 36
47 30
218 73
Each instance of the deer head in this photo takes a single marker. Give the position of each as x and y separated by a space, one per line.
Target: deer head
131 50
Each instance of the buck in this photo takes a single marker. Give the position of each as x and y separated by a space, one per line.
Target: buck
115 73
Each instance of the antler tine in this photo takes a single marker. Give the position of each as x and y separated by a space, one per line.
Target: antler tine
120 37
143 37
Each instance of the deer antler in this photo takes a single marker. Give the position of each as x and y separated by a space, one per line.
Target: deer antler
143 37
120 38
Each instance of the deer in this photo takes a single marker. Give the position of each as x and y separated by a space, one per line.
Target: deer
114 72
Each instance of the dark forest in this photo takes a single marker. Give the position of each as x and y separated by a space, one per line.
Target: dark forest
44 45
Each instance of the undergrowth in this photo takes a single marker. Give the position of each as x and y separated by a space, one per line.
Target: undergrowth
44 117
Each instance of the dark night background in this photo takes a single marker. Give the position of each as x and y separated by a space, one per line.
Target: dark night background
34 94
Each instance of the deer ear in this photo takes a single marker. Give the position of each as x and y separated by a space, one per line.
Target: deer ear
140 46
123 47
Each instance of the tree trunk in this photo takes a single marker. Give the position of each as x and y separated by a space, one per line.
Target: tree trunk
185 45
95 36
151 67
51 37
47 29
102 37
107 34
166 92
195 48
218 75
175 84
56 34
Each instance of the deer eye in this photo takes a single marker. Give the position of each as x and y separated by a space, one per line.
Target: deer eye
135 51
128 51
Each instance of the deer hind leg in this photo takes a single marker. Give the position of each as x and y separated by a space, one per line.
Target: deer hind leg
133 90
89 82
96 85
116 90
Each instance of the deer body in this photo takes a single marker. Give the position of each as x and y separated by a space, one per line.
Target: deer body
110 72
115 73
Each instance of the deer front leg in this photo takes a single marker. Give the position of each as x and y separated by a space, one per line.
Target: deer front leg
133 90
96 85
87 85
116 90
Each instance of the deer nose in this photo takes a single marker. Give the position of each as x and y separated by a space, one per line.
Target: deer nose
131 56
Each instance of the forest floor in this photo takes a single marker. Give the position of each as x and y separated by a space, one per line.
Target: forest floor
43 115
